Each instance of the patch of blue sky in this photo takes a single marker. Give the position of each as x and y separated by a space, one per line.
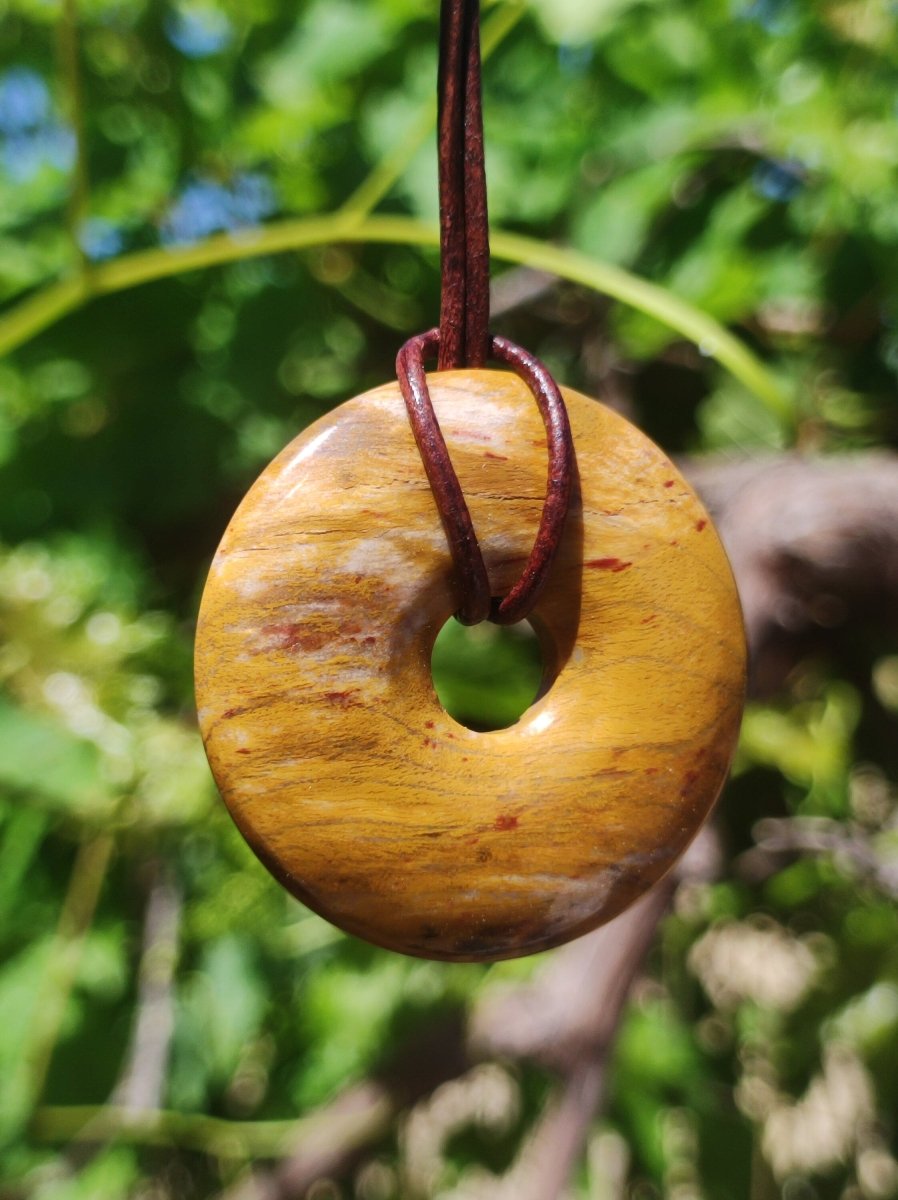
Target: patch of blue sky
101 239
574 59
24 101
31 136
207 206
779 179
199 32
774 16
24 155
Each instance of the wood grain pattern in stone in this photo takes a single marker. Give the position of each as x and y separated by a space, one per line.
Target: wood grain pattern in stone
317 706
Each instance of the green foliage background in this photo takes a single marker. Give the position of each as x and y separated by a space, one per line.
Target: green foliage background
191 272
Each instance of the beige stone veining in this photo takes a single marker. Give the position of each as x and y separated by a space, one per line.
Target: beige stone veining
317 706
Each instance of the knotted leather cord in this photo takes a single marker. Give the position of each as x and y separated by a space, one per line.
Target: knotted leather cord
463 338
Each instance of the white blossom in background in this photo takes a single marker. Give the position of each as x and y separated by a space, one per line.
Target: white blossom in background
679 1136
828 1124
487 1096
739 961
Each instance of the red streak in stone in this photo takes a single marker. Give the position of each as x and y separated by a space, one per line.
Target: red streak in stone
505 822
688 780
343 699
428 724
472 435
647 620
497 457
244 751
608 564
700 525
669 482
291 636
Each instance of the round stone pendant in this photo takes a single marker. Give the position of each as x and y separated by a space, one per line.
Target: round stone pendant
319 715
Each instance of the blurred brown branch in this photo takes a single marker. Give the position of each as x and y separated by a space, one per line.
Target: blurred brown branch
142 1086
330 1141
814 546
567 1020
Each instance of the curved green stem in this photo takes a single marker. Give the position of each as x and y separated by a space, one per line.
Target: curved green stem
32 316
193 1131
353 223
25 320
350 1127
712 338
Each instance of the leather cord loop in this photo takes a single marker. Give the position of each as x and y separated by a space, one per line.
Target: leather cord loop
463 338
477 603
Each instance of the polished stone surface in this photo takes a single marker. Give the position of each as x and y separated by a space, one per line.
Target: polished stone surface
330 748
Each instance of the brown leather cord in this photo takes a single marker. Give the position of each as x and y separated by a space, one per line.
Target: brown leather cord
477 603
471 576
463 338
464 222
525 593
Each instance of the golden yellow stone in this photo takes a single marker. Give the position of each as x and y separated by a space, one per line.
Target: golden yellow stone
316 703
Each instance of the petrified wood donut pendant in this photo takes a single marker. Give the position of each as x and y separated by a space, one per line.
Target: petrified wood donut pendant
317 706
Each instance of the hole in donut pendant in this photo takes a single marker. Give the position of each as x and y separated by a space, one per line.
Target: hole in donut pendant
486 676
315 687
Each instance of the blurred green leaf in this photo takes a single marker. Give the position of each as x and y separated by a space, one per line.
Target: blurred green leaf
69 771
